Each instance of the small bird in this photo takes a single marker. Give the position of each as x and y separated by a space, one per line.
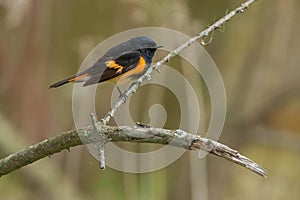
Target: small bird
129 59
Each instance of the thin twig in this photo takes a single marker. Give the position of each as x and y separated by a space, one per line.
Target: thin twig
147 75
137 134
100 144
135 85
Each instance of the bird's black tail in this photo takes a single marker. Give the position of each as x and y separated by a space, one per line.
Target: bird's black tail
62 82
76 78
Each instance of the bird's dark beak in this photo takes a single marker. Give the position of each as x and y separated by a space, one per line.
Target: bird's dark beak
158 46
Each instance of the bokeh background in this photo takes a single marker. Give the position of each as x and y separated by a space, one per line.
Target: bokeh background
257 55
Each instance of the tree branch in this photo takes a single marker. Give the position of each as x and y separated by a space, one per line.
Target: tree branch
137 134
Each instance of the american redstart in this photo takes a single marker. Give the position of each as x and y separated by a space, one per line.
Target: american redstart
126 60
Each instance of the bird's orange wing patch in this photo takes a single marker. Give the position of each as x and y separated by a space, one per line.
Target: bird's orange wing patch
114 65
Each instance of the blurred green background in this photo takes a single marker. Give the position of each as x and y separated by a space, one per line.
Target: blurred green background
257 55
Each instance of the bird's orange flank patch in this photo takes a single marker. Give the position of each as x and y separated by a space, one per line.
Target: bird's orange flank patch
140 68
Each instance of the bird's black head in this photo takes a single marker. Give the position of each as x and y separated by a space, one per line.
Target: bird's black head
148 54
146 46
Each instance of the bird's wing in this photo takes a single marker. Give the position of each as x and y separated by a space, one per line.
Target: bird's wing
106 69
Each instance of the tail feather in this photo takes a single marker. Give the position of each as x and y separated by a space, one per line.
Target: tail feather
75 78
62 82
